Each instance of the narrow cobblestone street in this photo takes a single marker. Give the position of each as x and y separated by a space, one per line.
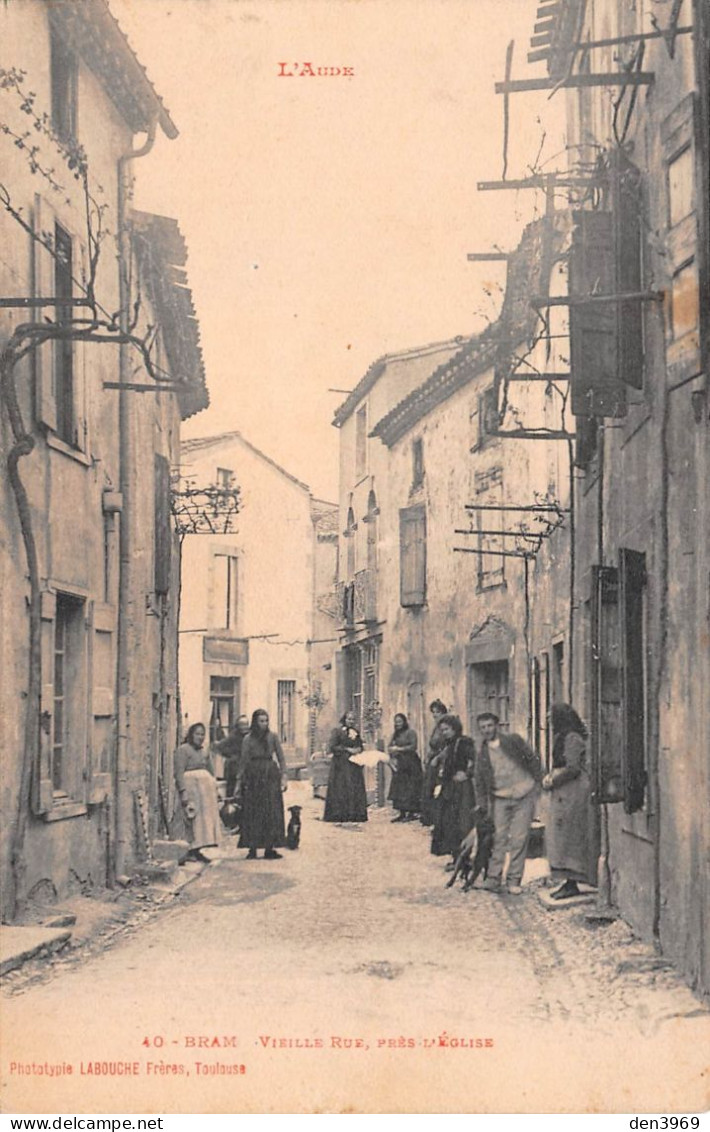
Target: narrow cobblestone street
347 977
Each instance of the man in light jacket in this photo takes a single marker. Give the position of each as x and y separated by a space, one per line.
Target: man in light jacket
507 776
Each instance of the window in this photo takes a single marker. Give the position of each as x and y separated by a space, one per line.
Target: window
163 526
619 696
541 707
361 442
417 462
64 74
351 555
489 691
226 582
68 692
225 478
606 730
558 668
286 711
64 348
488 488
484 417
412 556
632 583
680 186
684 310
224 705
353 682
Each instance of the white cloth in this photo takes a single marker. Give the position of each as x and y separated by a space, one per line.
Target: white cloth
201 790
369 758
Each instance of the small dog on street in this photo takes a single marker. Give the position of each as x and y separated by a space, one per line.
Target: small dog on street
293 832
478 843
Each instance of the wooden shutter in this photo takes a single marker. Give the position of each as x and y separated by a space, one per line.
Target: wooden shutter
42 786
412 542
163 531
606 663
81 357
632 579
626 205
43 288
596 388
101 701
681 135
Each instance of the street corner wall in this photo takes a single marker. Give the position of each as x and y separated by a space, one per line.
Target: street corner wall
684 741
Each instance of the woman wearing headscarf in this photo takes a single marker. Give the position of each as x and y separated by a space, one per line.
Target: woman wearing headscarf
405 791
436 745
454 800
261 783
197 788
568 831
346 798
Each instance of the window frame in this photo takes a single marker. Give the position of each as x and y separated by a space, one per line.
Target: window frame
488 488
361 442
678 136
412 556
64 88
286 727
45 224
228 614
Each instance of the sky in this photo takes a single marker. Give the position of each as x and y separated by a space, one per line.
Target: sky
328 219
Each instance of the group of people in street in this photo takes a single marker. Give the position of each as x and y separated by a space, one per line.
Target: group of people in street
494 788
256 779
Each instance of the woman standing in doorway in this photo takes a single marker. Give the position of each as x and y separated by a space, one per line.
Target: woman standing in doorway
405 792
346 799
261 783
197 787
569 828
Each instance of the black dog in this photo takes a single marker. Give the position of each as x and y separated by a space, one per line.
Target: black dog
486 832
481 839
293 833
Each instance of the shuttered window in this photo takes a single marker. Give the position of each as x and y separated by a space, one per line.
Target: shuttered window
59 366
163 528
64 347
595 385
488 487
618 684
286 704
680 151
412 556
64 75
606 730
632 583
606 338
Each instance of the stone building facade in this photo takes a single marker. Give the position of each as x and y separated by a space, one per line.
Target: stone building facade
88 568
635 81
257 617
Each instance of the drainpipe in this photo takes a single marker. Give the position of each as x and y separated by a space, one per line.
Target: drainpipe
122 793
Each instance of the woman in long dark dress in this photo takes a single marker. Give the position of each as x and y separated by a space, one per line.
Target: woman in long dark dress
405 791
262 780
568 835
346 798
197 787
436 745
455 799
